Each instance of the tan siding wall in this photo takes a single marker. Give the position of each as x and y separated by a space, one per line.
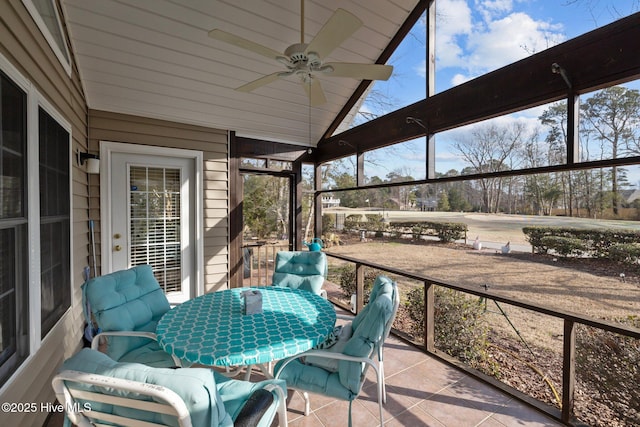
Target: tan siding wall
24 46
106 126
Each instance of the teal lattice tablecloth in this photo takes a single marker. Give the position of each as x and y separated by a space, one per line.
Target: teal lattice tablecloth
212 330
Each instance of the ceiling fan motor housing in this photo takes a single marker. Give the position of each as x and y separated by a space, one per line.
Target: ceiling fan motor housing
296 53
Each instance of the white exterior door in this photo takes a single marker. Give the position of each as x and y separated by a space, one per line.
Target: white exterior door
152 218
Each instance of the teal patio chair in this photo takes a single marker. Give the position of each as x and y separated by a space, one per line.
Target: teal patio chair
339 371
126 306
96 390
301 270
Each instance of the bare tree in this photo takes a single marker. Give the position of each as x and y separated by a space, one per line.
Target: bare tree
612 116
491 148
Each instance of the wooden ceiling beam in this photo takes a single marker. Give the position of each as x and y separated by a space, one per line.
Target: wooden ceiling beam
262 149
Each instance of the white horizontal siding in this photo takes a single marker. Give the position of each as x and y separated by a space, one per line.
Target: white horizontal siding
154 58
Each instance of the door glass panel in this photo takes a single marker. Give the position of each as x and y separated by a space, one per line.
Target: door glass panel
154 223
265 212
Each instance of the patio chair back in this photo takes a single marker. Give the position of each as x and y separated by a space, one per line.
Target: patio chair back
339 371
300 270
128 300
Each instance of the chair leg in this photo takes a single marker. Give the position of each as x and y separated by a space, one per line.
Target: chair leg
307 404
381 379
381 372
247 374
380 387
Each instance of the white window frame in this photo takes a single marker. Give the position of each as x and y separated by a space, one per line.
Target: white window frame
35 100
63 57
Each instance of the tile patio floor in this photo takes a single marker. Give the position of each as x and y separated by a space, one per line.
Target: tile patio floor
421 391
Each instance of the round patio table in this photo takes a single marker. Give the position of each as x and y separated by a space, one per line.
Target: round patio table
212 329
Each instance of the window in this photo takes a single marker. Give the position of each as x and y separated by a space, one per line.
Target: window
155 225
35 208
13 226
45 14
54 220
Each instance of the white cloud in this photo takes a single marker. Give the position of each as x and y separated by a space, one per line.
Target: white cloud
458 79
491 8
470 43
453 23
422 69
509 39
447 157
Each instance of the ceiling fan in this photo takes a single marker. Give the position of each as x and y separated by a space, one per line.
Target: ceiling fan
306 60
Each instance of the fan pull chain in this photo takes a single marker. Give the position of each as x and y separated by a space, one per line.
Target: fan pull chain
309 109
301 21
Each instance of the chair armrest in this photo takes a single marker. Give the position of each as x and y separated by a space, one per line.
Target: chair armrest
160 397
95 343
140 334
333 355
254 408
257 405
327 355
96 340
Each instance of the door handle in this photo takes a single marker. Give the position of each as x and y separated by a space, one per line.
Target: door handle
118 248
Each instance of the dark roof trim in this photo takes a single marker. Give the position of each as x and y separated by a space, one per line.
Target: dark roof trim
382 59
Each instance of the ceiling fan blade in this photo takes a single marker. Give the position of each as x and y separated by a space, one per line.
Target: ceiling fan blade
244 43
359 71
336 30
314 92
262 81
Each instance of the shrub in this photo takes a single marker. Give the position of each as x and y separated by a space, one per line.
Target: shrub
376 221
445 231
564 246
449 231
328 222
347 281
460 329
609 363
352 222
628 253
595 243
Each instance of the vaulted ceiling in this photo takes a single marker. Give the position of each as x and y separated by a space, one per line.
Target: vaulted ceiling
154 58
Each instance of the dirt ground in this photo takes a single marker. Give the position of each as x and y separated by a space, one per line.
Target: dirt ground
588 287
593 288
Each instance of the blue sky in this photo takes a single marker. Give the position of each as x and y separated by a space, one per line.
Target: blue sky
474 37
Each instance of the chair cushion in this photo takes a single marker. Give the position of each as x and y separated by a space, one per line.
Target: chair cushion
150 354
339 333
314 379
196 386
336 342
344 382
234 393
368 328
300 269
127 300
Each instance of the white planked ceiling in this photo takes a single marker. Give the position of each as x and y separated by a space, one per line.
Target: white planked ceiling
153 58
